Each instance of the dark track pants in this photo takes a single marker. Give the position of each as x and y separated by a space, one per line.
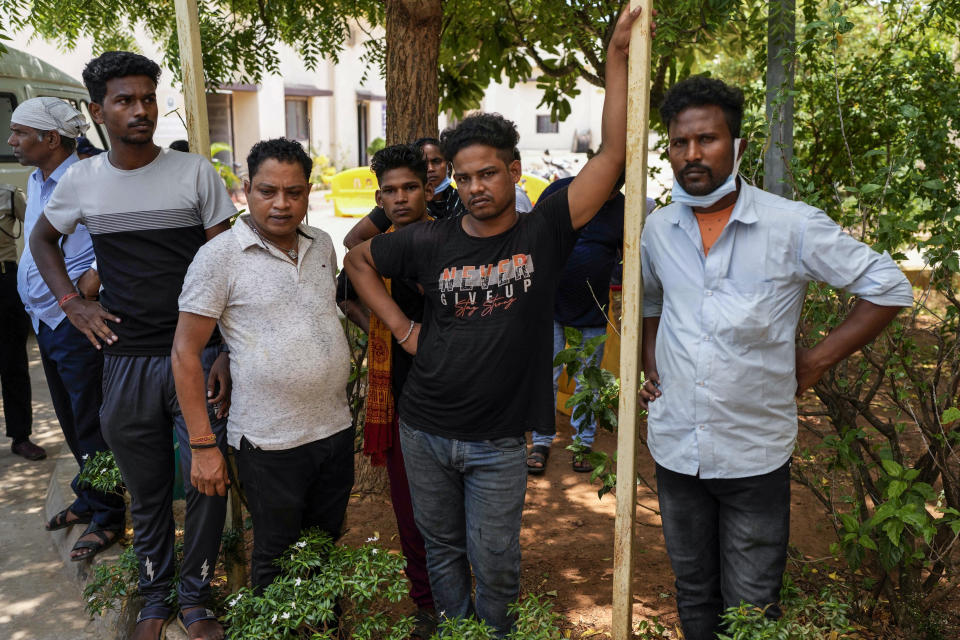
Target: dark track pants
289 490
74 375
140 412
14 370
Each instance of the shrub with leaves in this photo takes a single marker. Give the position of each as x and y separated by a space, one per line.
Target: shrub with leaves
805 617
100 472
324 591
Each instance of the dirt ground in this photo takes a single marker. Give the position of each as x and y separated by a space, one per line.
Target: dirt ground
567 541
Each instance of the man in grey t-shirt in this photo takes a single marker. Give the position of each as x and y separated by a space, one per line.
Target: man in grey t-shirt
148 210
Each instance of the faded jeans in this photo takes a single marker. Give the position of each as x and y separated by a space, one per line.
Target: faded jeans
727 542
467 502
585 431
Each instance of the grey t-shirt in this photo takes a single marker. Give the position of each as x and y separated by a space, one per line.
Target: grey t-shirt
146 225
289 358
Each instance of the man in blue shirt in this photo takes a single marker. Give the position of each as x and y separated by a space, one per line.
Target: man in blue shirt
43 134
725 271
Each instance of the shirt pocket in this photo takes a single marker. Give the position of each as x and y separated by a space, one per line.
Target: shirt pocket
745 311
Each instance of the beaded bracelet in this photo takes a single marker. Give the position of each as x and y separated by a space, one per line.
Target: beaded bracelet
207 439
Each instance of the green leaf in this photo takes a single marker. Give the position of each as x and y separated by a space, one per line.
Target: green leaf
950 415
933 185
869 188
849 522
895 489
892 468
868 543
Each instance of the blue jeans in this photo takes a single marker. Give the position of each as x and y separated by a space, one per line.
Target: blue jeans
727 542
467 502
585 431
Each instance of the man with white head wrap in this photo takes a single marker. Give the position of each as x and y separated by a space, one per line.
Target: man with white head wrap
43 134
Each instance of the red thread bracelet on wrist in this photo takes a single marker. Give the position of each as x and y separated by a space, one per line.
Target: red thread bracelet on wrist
67 298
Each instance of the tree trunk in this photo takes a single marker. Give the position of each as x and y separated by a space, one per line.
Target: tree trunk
413 48
781 42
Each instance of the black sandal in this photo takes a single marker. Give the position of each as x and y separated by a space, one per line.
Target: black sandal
156 612
95 546
538 454
580 462
60 521
196 614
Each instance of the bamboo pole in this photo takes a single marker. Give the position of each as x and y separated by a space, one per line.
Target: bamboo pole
198 135
191 70
638 117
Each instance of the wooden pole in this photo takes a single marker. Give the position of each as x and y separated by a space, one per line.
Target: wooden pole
638 117
191 68
198 135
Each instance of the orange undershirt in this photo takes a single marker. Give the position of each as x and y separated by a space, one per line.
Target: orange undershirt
711 226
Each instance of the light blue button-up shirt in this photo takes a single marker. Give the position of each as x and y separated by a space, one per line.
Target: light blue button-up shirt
726 342
77 249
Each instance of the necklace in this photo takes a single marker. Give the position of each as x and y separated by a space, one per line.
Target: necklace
291 253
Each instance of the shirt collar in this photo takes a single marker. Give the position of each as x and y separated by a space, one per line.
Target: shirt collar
247 238
742 211
57 173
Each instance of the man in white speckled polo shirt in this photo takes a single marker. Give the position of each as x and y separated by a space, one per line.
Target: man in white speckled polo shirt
270 284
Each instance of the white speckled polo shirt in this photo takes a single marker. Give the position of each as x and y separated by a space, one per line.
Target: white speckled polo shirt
289 358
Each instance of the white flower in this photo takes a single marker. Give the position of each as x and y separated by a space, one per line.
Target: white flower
91 598
297 582
234 602
301 544
286 615
373 539
274 619
374 550
85 456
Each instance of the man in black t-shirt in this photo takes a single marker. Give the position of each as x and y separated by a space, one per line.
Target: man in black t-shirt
444 202
482 375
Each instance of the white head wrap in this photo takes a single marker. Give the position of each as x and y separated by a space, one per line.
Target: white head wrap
50 114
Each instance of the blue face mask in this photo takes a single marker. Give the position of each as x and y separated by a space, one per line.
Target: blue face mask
443 185
729 186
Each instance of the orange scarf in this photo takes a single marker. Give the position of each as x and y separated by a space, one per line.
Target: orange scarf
381 408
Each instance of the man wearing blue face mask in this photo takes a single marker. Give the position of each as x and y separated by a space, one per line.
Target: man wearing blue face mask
725 271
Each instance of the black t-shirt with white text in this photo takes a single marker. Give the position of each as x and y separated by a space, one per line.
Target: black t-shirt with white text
483 368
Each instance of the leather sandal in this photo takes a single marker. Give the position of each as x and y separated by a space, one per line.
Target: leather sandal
196 614
156 612
94 547
60 520
538 455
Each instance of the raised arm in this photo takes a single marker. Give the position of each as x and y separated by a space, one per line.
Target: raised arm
208 469
360 268
592 186
87 316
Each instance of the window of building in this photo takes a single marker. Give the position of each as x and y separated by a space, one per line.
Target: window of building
298 121
546 125
7 104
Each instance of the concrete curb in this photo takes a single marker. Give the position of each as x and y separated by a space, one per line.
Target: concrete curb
114 624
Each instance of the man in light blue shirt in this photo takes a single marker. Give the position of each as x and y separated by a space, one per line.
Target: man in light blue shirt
725 271
43 134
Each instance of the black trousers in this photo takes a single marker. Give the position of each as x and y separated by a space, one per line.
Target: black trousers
727 542
139 417
289 490
74 371
14 370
